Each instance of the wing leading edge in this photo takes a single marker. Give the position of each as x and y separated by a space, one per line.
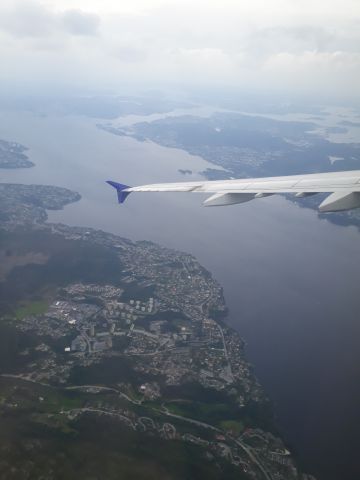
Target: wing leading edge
344 189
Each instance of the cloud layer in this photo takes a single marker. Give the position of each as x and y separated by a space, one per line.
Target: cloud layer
277 45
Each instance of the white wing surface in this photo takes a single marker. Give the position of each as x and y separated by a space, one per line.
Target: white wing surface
343 187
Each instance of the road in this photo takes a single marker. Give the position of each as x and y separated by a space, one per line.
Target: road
163 411
245 448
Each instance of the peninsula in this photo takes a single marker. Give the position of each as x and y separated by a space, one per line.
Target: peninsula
117 352
12 155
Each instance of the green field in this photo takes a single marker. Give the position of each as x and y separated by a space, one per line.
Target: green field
232 426
32 308
206 412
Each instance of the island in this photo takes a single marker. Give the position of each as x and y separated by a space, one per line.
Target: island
12 155
116 360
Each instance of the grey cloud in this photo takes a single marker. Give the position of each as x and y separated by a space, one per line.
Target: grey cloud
33 20
27 20
77 22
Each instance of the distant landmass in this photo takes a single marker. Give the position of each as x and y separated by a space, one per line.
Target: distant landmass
96 106
116 353
248 145
12 155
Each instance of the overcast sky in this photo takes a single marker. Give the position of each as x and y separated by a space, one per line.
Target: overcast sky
300 46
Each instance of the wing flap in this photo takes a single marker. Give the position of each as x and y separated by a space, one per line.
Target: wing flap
338 201
223 199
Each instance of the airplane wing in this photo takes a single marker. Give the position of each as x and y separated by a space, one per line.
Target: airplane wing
343 187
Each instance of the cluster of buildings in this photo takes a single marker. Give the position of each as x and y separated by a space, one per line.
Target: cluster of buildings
172 332
162 338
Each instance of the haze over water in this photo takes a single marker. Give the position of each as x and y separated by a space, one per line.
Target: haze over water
291 280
